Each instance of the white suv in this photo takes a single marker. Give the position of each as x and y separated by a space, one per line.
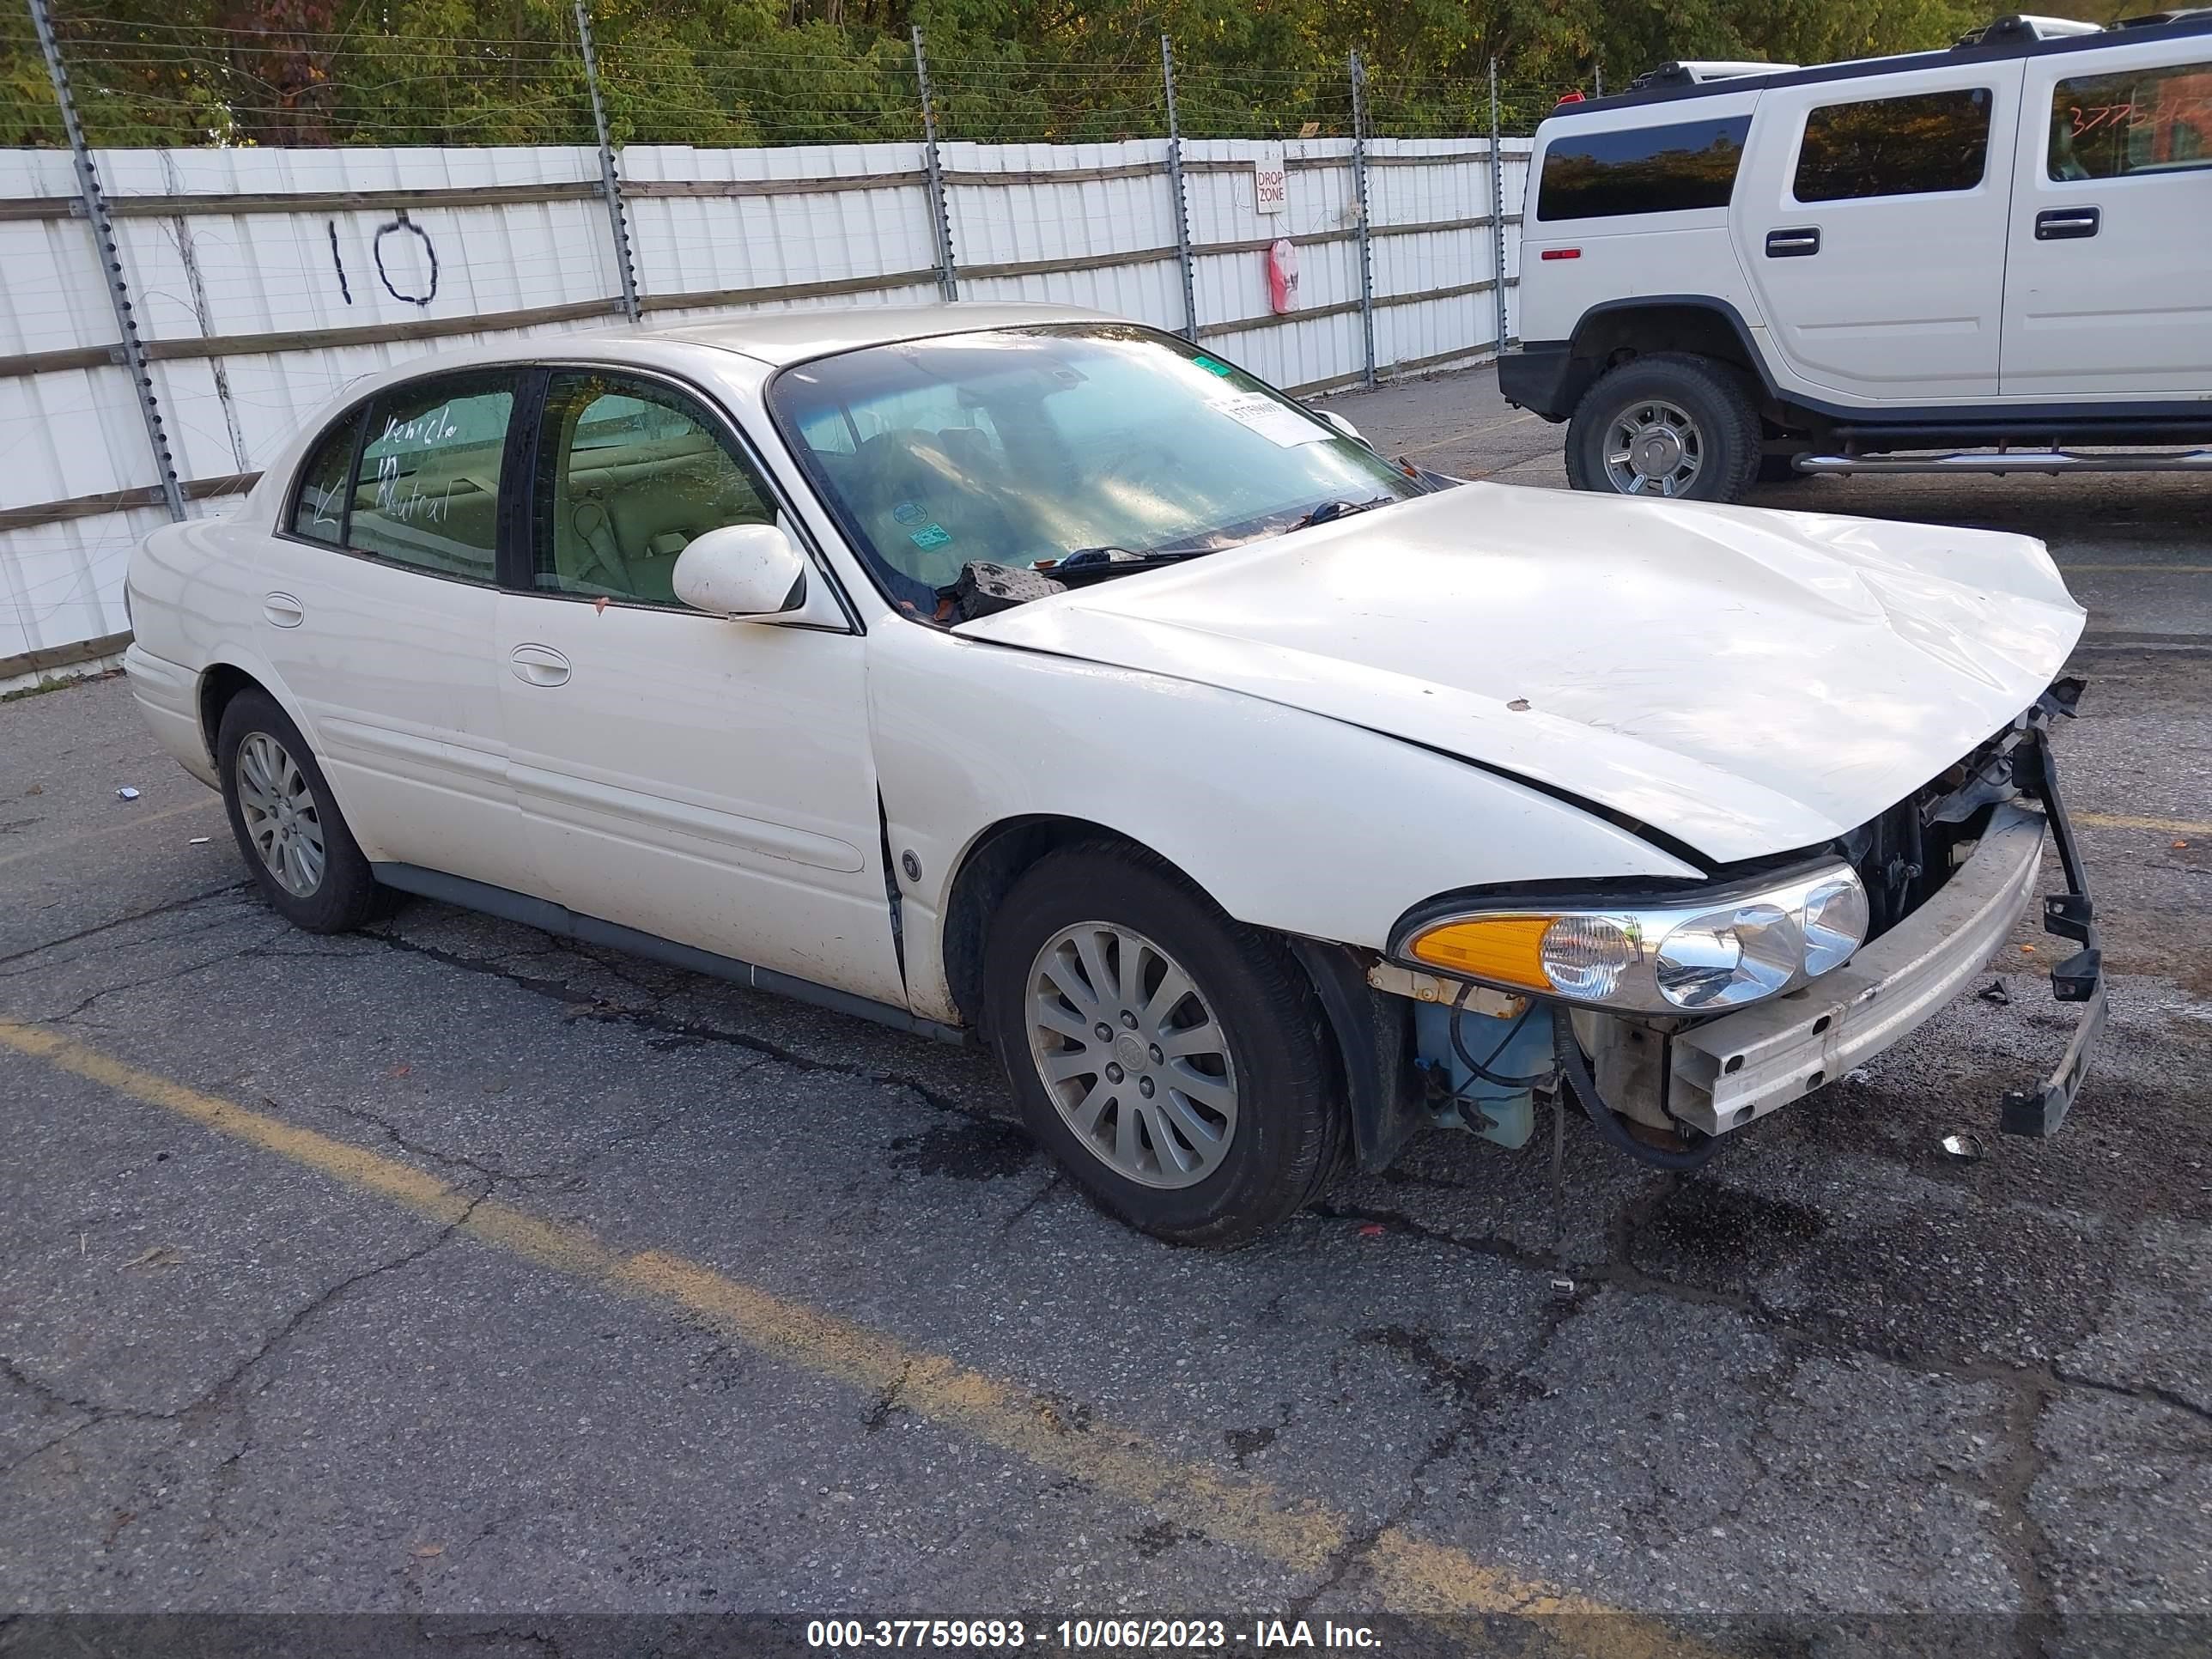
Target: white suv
2007 244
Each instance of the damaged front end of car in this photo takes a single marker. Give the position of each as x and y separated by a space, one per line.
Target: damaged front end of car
1678 1013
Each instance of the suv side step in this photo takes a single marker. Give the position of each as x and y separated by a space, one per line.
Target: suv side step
2012 460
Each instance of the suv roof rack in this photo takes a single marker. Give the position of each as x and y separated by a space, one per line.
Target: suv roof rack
1695 72
2021 26
2152 19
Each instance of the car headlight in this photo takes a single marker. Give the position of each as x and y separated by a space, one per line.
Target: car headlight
1694 953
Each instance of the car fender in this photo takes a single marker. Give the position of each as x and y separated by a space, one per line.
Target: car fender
192 590
1288 820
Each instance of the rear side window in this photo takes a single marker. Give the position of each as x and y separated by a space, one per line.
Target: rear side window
1670 169
318 507
2148 120
1915 145
428 493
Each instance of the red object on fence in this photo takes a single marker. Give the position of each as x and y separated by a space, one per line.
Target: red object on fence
1282 276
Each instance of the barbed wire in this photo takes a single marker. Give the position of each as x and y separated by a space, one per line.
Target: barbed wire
143 83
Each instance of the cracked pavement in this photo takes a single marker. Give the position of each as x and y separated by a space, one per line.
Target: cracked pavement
1838 1373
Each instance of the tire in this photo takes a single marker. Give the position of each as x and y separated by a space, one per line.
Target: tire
1264 1086
1705 405
314 875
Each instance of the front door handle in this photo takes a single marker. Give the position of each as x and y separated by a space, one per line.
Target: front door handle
282 610
1797 242
2068 224
539 665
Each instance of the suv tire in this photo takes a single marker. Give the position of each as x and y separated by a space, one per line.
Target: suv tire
1202 1115
287 822
1669 426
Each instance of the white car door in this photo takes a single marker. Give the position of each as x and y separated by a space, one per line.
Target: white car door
377 604
704 780
1870 217
2108 288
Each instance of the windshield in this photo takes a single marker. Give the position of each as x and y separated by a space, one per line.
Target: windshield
1021 446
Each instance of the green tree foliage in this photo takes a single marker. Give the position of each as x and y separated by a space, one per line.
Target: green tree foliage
715 72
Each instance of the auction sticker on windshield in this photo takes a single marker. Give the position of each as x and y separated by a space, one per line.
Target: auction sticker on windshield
1271 419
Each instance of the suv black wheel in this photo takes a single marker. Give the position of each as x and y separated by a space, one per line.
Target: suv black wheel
303 858
1668 425
1172 1060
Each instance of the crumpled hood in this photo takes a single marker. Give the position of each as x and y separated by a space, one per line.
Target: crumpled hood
1747 681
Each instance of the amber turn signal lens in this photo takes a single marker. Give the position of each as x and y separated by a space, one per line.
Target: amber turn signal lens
1502 950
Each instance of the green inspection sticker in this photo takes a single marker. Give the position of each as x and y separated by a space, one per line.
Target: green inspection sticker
930 535
1214 366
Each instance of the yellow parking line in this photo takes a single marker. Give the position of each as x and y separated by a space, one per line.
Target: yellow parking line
1462 437
1414 1574
137 821
2123 821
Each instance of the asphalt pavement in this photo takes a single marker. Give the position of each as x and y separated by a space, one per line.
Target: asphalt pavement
450 1268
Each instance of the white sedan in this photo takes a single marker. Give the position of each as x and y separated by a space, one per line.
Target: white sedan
1017 675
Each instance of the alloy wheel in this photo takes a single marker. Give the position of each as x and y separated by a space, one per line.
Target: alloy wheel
1131 1053
282 820
1653 447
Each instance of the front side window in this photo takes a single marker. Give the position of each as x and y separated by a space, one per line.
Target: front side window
629 472
1915 145
427 494
1102 447
2146 120
1670 169
319 502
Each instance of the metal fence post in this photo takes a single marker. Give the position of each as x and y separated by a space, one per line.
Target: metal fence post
1359 191
130 351
940 218
610 181
1182 201
1497 210
1597 75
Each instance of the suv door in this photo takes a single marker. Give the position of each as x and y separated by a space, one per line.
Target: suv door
704 780
2108 289
1870 218
378 601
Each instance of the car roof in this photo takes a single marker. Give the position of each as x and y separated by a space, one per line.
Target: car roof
773 337
2007 36
790 337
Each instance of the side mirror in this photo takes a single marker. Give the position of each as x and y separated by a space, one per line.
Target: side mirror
742 570
1345 429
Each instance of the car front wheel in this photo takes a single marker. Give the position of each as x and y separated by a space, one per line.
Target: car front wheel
287 824
1669 425
1174 1061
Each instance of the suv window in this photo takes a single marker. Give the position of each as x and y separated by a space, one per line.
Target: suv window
1916 145
319 502
2146 120
629 473
1603 175
428 492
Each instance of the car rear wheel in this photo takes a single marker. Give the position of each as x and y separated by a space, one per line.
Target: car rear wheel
1173 1060
287 824
1668 425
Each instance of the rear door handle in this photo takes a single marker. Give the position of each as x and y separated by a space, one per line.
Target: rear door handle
539 665
282 610
2068 224
1795 243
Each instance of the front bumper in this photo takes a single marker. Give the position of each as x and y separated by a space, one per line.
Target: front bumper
1736 1069
1541 375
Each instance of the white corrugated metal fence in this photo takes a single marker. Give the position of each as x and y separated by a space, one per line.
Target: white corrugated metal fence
263 281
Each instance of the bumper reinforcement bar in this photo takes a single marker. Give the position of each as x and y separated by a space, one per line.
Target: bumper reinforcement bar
2039 1109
